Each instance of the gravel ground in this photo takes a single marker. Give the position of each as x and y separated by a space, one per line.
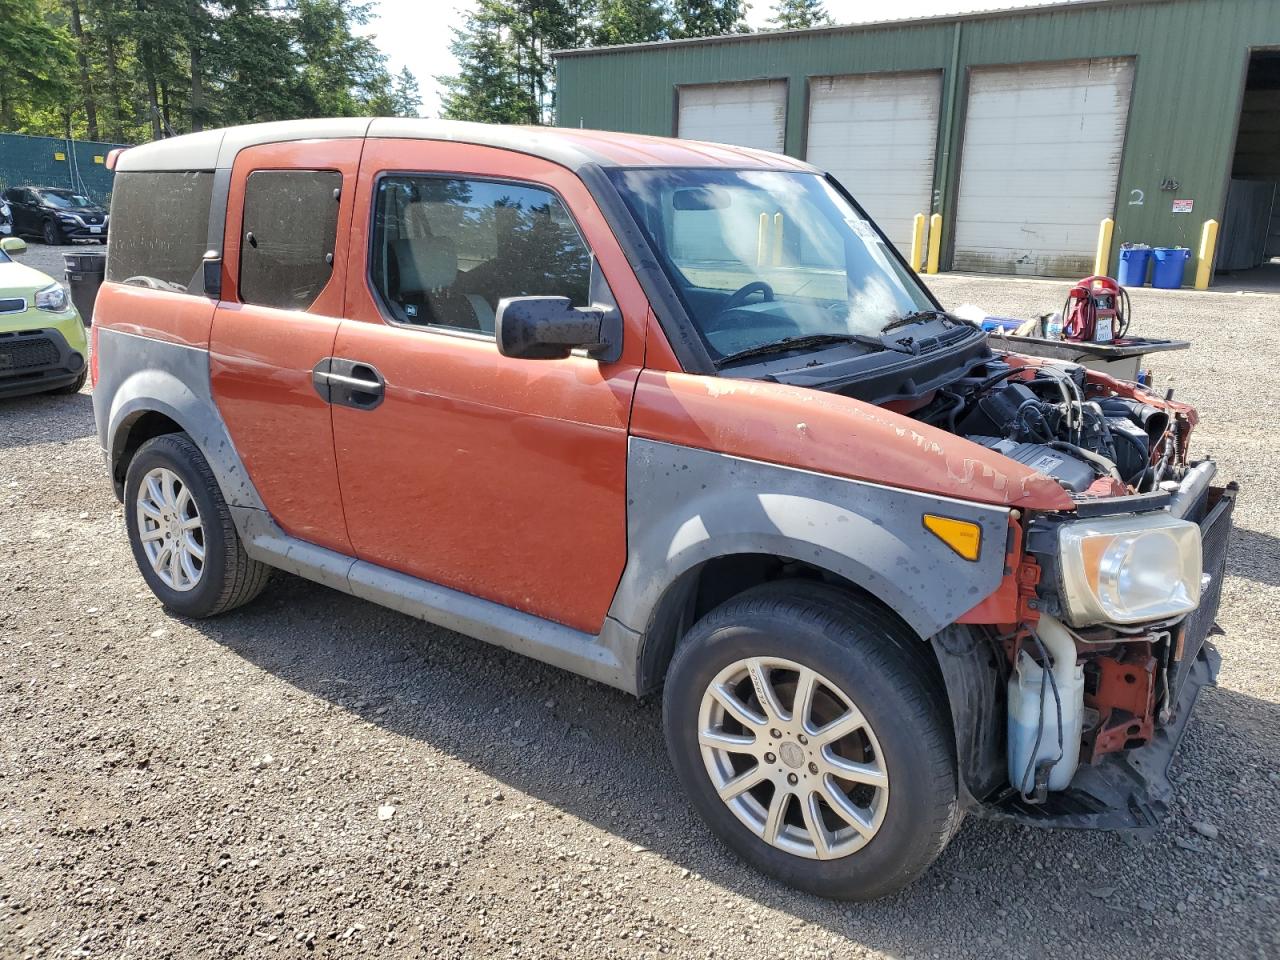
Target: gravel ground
316 776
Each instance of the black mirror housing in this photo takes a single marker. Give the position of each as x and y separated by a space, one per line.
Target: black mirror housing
550 328
546 328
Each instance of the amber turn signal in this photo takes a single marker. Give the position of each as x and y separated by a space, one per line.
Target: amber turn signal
962 536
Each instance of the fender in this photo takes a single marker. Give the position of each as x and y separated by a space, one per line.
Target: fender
686 506
140 375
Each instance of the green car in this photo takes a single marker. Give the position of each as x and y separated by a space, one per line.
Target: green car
42 341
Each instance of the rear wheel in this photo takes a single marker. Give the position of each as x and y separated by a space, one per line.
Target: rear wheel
52 233
182 534
812 737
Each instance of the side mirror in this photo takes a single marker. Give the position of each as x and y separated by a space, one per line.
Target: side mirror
213 275
550 328
13 245
546 328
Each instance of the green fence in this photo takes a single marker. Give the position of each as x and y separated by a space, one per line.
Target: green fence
53 162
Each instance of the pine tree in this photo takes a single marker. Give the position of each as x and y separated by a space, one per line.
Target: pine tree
631 21
487 87
799 14
406 101
708 18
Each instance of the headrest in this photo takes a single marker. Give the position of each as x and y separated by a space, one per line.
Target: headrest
426 264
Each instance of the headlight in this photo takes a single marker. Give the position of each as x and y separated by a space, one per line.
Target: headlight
52 298
5 211
1129 569
68 218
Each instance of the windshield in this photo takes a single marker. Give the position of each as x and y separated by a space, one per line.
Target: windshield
761 256
64 199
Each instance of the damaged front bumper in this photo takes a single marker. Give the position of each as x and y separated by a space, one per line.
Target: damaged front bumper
1130 790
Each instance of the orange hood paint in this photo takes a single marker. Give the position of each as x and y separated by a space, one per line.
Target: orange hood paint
829 433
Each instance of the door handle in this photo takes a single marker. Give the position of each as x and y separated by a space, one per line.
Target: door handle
349 383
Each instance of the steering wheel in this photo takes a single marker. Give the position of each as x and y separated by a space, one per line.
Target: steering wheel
739 296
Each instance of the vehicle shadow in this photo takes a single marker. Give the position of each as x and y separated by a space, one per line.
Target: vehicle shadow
597 755
1254 556
45 418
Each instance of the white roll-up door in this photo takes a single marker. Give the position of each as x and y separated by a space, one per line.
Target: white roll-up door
1040 164
751 114
877 134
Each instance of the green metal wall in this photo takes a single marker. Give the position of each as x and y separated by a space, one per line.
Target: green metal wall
33 161
1189 78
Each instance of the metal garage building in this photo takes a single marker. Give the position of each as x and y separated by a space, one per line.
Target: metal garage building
1022 128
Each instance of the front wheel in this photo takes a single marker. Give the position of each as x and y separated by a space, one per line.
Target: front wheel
814 739
52 233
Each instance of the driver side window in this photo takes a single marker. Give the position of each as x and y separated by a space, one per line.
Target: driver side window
446 250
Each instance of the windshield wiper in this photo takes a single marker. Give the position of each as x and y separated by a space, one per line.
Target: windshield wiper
914 317
800 343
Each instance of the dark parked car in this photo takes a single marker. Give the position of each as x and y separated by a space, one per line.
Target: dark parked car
56 214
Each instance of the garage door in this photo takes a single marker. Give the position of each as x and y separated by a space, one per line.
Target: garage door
1041 159
745 114
877 135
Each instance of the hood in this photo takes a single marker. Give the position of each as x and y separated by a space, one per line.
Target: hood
829 433
19 280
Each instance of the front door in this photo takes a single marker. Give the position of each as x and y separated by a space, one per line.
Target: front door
284 270
498 477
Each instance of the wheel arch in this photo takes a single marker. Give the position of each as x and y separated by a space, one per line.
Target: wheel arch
147 388
715 580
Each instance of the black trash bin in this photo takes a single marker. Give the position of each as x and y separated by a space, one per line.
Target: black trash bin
85 272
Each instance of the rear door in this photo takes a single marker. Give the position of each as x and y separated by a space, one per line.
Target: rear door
288 218
498 477
1040 165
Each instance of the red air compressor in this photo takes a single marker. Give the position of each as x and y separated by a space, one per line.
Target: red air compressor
1096 311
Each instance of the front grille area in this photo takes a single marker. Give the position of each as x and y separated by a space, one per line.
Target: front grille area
12 305
1215 534
91 217
31 353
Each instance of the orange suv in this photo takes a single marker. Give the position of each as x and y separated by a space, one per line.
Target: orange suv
673 416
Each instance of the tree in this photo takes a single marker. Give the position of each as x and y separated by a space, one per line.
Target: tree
406 101
35 59
708 18
631 21
799 14
486 87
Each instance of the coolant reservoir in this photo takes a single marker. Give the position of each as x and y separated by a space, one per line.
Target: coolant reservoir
1027 710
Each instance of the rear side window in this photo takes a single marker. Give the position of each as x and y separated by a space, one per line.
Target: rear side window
446 250
290 225
160 229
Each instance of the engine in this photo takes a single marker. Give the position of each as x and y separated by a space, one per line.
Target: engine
1054 420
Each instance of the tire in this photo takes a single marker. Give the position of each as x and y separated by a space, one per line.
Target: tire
226 577
74 386
52 234
861 653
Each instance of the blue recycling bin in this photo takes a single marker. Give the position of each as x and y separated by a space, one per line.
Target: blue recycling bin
1133 266
1170 262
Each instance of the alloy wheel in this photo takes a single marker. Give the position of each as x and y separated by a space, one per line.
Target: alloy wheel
793 758
170 529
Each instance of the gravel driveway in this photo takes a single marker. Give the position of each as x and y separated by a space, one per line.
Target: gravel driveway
316 776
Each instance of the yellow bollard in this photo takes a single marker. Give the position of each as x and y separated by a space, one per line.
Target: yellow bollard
1103 256
917 241
777 239
1208 244
935 242
762 239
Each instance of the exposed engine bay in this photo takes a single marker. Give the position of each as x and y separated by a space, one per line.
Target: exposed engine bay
1062 422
